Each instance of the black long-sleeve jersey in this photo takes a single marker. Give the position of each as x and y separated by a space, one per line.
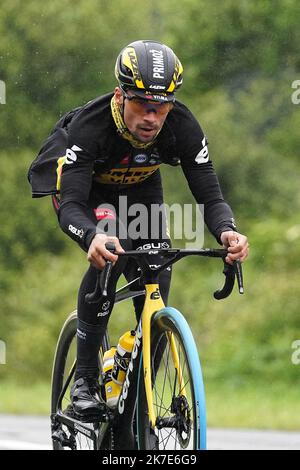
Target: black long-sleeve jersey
99 161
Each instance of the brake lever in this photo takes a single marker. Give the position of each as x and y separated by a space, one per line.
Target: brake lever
226 290
104 277
102 280
239 276
94 297
231 272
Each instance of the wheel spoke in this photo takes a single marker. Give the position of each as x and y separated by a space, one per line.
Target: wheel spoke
172 394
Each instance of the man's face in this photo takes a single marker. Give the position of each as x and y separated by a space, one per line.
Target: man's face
143 119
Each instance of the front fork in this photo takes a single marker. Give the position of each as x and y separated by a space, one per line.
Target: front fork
154 303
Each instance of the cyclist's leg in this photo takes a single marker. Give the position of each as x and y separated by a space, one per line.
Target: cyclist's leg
93 318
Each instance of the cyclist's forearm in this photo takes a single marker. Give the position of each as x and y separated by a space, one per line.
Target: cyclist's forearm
75 222
219 218
76 218
205 187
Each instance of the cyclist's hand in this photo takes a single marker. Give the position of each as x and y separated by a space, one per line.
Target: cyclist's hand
237 245
98 254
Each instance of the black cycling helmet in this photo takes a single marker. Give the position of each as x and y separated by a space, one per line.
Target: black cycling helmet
150 70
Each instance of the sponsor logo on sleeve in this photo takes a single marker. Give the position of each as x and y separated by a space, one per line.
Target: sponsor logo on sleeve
203 156
71 156
76 231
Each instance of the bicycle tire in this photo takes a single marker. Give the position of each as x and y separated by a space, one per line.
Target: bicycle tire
66 337
189 420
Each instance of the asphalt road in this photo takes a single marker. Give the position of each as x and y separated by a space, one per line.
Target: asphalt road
33 433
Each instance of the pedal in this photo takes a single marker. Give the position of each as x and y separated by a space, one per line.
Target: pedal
96 418
69 412
101 417
61 437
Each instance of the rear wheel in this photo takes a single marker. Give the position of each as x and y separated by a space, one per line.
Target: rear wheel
178 393
63 370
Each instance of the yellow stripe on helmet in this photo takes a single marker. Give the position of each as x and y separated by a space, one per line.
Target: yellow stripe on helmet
171 87
178 71
130 60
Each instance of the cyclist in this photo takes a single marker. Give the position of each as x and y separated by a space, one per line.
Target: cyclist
116 144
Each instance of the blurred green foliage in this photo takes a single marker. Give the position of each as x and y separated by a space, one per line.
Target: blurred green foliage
240 60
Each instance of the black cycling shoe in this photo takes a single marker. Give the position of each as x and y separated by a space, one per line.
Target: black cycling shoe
86 398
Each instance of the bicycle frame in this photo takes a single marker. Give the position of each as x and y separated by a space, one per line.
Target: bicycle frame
154 303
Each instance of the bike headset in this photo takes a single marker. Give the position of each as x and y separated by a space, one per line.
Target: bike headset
150 70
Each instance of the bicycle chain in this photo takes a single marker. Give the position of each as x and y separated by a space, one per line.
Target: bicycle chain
112 439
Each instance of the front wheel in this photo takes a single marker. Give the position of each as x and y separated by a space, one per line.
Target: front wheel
178 392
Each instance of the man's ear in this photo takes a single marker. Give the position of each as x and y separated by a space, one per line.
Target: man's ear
118 96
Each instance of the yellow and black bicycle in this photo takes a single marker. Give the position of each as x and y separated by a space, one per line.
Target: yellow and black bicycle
162 403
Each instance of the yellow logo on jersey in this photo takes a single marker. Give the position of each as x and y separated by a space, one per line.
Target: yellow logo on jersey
125 175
